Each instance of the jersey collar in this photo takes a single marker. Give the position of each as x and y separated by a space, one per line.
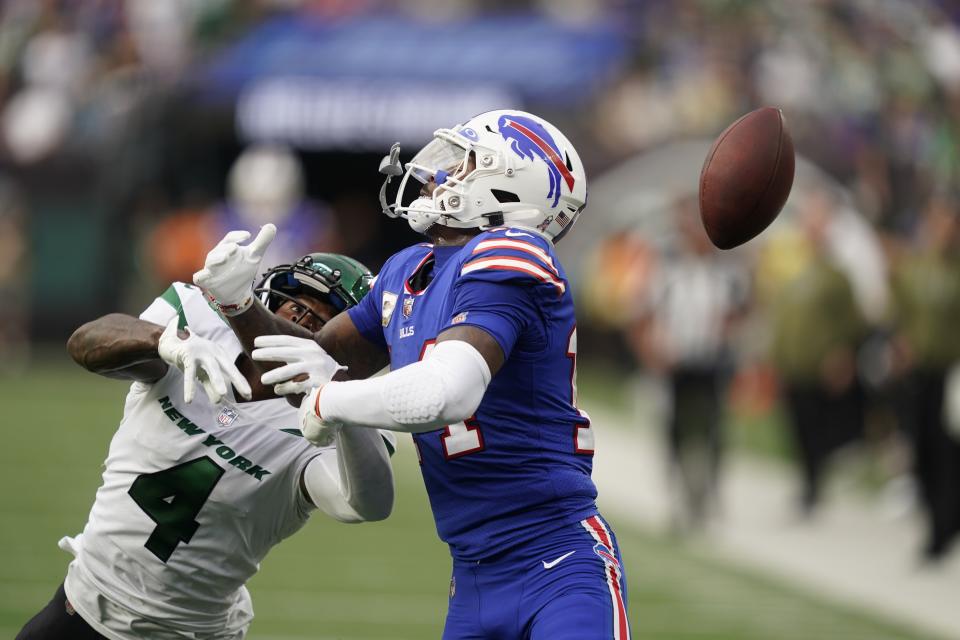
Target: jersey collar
427 269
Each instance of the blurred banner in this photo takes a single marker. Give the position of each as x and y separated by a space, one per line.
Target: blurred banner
367 82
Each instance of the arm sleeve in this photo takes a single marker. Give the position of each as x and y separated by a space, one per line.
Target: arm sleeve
321 483
446 387
354 481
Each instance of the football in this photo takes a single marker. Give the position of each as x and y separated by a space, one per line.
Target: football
746 178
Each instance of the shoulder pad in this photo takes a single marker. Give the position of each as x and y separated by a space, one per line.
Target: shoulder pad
513 254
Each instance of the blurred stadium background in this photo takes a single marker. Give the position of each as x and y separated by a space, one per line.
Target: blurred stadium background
774 452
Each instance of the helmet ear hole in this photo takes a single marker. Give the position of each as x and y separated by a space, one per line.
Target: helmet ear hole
504 196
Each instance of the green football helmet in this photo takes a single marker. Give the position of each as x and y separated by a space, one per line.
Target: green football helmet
329 277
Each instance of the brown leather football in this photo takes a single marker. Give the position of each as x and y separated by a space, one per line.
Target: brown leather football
746 178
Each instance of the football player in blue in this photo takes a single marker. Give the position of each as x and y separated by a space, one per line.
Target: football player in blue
479 331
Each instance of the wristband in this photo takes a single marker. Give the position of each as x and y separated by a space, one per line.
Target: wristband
231 310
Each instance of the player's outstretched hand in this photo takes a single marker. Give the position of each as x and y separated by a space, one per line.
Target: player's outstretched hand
314 429
306 364
203 360
230 269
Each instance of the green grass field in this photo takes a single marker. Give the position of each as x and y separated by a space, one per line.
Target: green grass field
385 580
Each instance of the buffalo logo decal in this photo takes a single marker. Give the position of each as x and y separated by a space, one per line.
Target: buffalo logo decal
606 554
529 138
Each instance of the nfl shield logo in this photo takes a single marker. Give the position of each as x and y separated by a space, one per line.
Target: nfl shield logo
407 307
227 416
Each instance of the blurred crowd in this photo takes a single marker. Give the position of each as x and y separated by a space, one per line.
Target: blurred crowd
777 333
871 89
113 181
855 347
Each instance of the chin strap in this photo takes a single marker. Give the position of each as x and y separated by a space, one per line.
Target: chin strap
420 221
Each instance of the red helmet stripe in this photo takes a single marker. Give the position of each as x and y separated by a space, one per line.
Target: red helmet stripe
547 149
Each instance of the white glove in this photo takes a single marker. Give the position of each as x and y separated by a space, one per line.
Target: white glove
303 357
230 269
314 429
203 360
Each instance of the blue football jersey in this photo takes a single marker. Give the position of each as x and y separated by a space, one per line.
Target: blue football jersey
521 465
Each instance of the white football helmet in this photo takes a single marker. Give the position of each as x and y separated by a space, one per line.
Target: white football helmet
499 168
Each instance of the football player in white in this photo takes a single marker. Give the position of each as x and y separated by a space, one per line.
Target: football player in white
198 487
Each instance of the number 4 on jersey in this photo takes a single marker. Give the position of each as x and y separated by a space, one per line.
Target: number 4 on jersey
173 498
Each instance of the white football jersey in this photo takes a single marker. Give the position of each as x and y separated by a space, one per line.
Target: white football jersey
193 498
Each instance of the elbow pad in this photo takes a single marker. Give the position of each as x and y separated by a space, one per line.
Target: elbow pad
415 395
444 388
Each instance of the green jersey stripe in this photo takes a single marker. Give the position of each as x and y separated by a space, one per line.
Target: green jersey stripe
173 299
390 448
